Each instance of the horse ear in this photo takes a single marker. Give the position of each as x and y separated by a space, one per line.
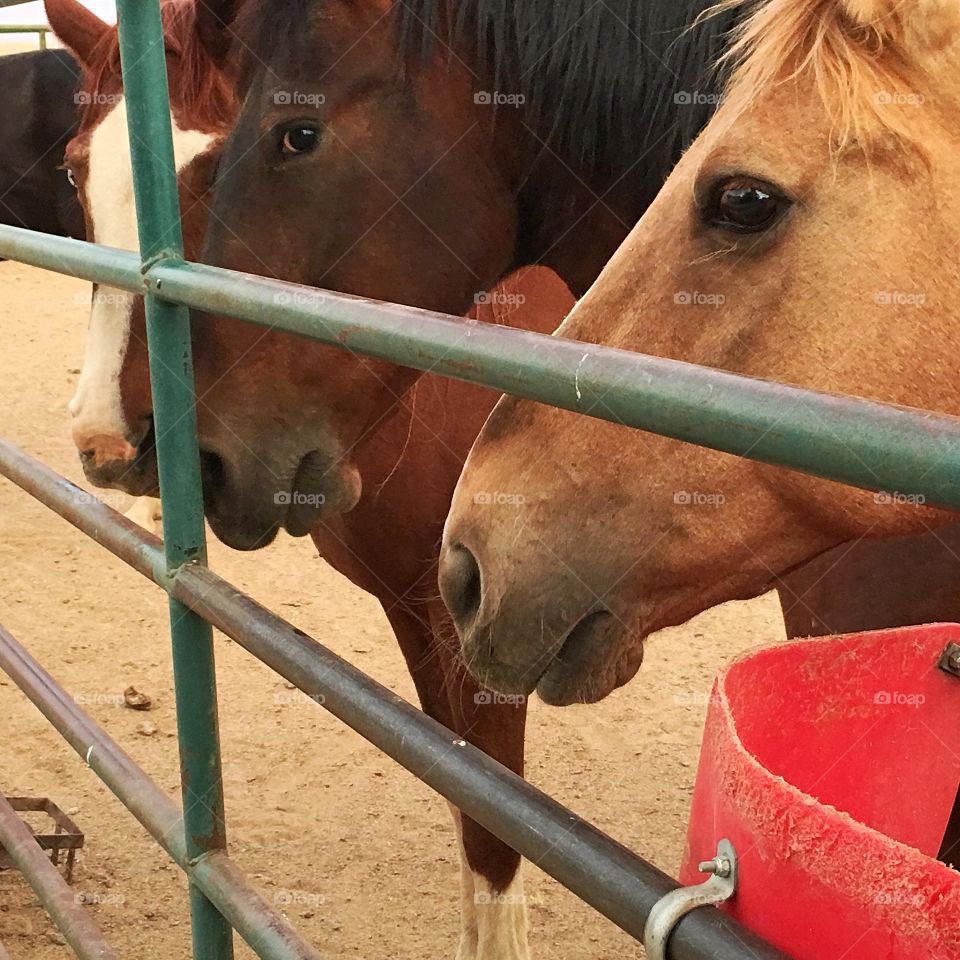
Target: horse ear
80 29
917 24
214 18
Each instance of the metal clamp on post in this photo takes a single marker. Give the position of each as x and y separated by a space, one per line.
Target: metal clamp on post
669 911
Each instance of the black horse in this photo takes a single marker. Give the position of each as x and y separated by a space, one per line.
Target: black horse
38 114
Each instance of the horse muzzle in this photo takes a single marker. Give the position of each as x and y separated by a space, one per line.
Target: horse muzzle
113 461
249 499
553 634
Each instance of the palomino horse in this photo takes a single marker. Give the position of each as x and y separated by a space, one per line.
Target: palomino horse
389 544
819 207
38 115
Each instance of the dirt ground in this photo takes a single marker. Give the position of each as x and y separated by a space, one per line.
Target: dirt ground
359 853
22 44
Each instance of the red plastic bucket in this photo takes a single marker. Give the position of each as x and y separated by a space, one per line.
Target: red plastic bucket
832 765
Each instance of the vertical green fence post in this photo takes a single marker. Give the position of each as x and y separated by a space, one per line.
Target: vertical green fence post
171 373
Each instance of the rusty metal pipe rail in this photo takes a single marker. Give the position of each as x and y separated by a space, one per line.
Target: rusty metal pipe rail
604 874
73 921
215 873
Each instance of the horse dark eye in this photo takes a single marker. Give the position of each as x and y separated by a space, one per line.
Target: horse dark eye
71 178
299 140
746 206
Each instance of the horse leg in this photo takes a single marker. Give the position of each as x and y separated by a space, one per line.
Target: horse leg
496 916
146 513
488 868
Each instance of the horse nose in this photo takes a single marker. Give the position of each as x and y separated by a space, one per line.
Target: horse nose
111 473
461 585
104 448
527 626
112 460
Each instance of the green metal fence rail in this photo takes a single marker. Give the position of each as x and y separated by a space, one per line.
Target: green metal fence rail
859 442
40 29
143 62
853 441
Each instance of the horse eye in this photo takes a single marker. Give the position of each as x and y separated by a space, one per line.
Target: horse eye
300 139
72 178
743 205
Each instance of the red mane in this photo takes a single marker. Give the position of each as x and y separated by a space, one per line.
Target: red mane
201 94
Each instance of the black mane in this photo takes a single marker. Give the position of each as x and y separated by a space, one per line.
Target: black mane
604 82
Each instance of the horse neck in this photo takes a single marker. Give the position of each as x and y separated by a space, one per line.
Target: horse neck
575 210
573 221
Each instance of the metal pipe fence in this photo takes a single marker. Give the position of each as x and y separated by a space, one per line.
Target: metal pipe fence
40 29
258 923
854 441
52 890
616 882
865 444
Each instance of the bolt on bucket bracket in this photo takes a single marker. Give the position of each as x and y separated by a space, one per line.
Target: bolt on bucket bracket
669 911
950 660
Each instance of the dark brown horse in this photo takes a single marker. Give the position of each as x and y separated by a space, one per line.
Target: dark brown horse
420 162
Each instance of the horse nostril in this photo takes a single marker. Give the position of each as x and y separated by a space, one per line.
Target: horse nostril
147 444
461 585
212 470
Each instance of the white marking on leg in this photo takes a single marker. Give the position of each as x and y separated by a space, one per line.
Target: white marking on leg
96 407
493 924
501 920
467 948
146 513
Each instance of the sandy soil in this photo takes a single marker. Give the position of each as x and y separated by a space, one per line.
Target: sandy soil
19 45
359 853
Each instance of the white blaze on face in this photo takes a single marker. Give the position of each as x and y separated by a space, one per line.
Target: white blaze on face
96 409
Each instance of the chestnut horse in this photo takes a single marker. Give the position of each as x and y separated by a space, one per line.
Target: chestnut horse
110 411
819 205
389 544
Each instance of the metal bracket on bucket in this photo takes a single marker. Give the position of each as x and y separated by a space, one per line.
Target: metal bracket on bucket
669 911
